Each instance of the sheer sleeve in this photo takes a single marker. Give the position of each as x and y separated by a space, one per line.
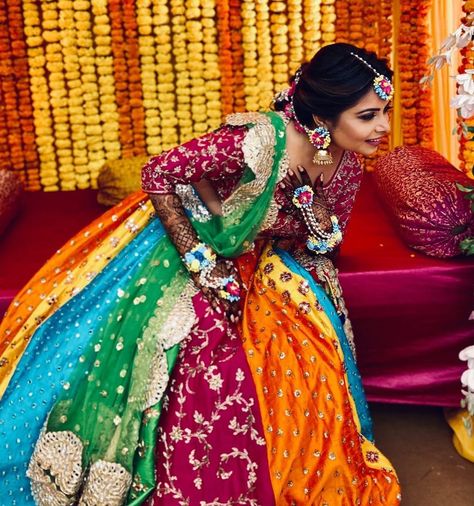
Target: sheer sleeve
213 156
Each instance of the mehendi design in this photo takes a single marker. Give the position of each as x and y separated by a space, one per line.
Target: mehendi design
173 217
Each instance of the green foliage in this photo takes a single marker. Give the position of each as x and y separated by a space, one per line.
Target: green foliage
467 245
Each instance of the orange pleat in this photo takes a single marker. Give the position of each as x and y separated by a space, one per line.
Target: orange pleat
316 453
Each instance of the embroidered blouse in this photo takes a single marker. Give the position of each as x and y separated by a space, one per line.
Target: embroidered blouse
218 158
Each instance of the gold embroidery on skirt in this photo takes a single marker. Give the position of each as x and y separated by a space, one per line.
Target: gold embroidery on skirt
56 474
107 484
55 468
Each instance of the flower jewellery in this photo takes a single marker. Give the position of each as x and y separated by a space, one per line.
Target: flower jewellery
202 259
382 85
319 136
319 241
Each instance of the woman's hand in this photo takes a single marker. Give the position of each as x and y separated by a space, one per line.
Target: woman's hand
320 207
224 269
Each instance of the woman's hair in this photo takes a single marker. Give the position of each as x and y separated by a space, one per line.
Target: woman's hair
333 81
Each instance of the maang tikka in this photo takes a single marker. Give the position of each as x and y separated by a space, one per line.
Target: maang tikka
319 137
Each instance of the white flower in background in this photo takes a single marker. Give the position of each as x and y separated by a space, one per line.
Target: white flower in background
463 101
467 378
464 104
467 354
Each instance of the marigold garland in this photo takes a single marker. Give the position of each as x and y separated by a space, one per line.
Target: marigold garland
195 63
343 21
225 56
24 104
356 8
183 91
370 26
424 108
295 34
385 29
312 33
39 91
328 19
264 51
164 75
57 99
9 91
412 56
212 72
132 52
148 76
236 23
249 45
120 75
109 78
279 39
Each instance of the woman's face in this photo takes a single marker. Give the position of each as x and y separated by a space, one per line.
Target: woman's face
362 127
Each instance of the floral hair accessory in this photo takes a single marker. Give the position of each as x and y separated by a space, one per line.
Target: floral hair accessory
382 85
230 289
200 257
303 197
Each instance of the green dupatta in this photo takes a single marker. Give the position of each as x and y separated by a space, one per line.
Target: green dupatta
98 443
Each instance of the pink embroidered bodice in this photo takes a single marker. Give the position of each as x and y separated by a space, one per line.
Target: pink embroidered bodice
218 158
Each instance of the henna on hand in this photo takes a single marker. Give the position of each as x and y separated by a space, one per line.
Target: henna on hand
172 215
320 207
181 232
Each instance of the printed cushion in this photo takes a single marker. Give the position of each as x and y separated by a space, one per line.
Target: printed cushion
119 178
419 187
10 197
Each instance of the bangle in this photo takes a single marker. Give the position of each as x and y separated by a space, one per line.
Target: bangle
303 197
200 258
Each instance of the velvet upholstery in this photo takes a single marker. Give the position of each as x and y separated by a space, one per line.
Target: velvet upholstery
418 186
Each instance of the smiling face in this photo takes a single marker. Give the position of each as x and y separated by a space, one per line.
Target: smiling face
362 127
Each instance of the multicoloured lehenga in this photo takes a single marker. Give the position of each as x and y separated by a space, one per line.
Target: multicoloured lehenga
269 411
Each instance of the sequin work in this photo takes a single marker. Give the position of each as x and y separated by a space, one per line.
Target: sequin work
311 426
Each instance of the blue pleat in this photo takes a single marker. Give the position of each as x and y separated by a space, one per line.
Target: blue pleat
49 361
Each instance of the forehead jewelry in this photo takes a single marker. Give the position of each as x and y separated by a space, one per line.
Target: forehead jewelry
381 84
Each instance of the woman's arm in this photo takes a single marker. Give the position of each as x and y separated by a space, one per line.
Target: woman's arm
195 162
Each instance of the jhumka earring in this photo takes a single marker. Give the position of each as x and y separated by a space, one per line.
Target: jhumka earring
320 138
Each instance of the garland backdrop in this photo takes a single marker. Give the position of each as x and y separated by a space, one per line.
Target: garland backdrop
87 81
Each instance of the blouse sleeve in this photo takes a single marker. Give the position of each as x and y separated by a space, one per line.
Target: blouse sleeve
213 156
